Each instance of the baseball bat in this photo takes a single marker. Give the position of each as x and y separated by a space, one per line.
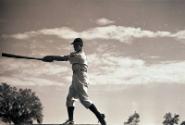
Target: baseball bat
19 56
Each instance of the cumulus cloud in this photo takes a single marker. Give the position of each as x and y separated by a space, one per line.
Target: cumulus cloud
105 69
104 21
28 80
25 35
36 67
22 72
111 32
180 34
126 70
64 32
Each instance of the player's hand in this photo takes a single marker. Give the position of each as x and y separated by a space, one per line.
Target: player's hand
48 59
72 54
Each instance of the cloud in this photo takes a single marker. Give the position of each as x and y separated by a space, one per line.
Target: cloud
180 35
28 80
64 32
111 32
104 21
22 72
36 67
105 69
126 70
25 35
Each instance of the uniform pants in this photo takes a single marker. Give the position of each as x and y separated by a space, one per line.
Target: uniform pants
78 90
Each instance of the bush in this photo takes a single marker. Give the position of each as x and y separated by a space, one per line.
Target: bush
133 119
169 119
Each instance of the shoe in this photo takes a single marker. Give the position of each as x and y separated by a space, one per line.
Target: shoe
68 122
101 119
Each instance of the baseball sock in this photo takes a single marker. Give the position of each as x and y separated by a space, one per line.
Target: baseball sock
70 111
94 110
98 114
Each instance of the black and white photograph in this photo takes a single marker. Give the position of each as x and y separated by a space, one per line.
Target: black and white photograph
92 62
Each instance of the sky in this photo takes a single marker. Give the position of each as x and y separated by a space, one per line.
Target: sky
128 43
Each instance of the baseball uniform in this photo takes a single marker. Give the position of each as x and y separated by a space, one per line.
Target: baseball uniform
78 88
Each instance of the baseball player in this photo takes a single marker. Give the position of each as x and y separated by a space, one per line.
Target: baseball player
79 86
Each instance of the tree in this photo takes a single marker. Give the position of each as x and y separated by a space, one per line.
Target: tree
19 106
171 120
133 119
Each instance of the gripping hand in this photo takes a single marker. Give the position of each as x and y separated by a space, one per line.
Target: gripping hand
48 59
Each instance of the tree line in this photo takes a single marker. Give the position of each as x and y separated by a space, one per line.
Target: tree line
23 107
169 119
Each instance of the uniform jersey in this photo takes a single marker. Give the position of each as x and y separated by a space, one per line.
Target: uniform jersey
78 58
79 65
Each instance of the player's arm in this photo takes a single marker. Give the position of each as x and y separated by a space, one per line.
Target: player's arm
61 58
55 58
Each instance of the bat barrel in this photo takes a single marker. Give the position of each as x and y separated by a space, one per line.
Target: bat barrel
8 55
18 56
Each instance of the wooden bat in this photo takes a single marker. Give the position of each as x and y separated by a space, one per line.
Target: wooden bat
19 56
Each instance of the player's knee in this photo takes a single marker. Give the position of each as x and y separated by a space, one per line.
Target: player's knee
86 103
68 98
69 102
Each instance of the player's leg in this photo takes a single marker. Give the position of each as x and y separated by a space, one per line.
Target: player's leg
70 103
100 116
84 99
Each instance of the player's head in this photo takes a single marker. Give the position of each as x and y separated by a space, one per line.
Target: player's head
77 44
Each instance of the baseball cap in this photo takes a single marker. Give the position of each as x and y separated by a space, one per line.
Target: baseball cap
78 40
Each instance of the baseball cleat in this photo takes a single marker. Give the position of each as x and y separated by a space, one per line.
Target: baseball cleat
101 119
68 122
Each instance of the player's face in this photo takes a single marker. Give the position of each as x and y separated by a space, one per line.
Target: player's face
77 47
